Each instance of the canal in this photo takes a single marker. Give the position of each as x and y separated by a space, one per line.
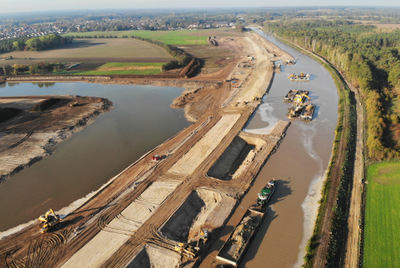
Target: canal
298 166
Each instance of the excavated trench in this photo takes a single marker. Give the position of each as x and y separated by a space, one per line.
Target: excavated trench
152 256
203 208
231 159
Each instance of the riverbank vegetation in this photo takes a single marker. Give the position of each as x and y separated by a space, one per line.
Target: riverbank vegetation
339 175
368 57
370 61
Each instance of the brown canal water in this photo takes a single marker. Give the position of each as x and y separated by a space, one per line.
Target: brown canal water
140 120
298 166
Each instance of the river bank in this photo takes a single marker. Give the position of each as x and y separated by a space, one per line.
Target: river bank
27 136
197 143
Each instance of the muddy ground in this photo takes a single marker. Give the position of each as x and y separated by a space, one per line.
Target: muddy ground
30 127
146 210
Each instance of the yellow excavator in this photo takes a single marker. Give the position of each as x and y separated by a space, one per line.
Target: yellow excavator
48 220
300 98
190 251
187 250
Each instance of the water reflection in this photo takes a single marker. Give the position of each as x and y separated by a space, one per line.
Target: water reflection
140 120
302 157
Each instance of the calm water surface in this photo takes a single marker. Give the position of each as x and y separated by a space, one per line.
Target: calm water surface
299 165
140 120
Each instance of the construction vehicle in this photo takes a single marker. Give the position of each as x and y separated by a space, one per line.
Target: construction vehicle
48 220
185 249
299 77
300 98
295 110
190 251
290 96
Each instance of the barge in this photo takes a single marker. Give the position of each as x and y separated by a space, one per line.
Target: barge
235 247
238 242
299 77
295 95
295 111
308 112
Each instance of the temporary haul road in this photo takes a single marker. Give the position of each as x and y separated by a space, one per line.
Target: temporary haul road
138 218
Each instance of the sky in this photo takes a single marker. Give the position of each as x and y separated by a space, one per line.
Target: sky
17 6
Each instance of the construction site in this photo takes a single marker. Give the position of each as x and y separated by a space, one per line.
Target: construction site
167 208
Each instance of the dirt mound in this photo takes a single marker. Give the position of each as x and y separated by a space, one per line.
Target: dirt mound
8 113
45 104
231 159
151 256
202 208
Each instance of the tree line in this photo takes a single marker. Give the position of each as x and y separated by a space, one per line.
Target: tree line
369 60
39 68
34 44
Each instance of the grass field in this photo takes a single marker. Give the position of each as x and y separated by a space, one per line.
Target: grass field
123 68
95 50
382 216
90 54
180 37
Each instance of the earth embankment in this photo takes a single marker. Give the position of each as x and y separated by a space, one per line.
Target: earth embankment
136 218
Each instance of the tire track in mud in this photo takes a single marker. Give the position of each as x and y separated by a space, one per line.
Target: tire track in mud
108 203
40 251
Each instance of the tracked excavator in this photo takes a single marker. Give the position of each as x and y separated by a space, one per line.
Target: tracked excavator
48 220
300 98
190 251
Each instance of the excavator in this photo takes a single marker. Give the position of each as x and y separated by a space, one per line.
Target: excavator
187 250
190 251
300 98
48 220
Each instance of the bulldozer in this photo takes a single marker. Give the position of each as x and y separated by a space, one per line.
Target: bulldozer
48 220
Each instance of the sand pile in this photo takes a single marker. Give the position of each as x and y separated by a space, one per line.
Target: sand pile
203 208
152 256
231 159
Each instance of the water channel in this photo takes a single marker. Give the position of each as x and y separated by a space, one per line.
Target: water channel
135 125
140 120
298 165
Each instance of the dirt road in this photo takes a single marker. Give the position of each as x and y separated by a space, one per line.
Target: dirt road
140 216
352 257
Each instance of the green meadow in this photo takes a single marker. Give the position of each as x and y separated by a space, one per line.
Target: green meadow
180 37
382 216
125 68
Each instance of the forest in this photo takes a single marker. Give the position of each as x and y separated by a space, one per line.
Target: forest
369 59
